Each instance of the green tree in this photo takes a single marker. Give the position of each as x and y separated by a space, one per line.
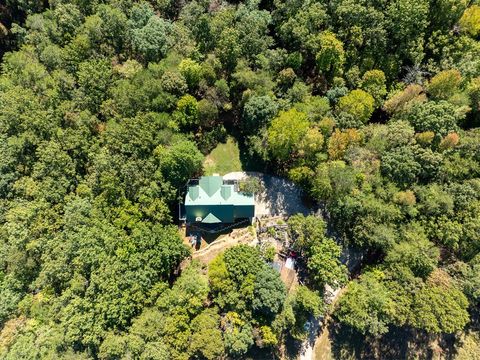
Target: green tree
154 39
68 19
298 21
470 20
253 26
322 254
269 292
434 201
374 83
238 337
257 112
206 339
285 133
357 103
306 231
191 71
367 305
113 346
242 261
94 80
187 111
333 180
300 307
179 162
250 185
364 34
324 264
440 310
329 53
467 274
181 310
54 172
407 23
400 165
207 113
421 256
440 117
112 27
232 277
228 48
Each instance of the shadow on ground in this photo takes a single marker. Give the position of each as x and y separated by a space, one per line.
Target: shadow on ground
397 344
249 162
210 237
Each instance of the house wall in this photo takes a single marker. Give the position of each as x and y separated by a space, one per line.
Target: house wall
226 213
244 211
223 212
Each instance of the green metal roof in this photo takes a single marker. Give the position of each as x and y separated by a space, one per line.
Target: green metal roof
225 191
210 184
211 219
212 191
193 192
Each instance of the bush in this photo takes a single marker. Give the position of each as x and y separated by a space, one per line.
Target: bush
250 185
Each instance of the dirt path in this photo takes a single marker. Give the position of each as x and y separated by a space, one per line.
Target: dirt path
322 348
279 197
318 346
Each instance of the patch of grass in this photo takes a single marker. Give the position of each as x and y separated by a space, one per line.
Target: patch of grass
223 159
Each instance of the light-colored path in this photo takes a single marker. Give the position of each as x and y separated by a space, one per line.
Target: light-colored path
318 347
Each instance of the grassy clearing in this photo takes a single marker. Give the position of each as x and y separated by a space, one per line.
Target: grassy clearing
223 159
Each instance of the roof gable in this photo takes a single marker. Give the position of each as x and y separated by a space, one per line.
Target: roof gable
193 192
211 219
226 191
210 184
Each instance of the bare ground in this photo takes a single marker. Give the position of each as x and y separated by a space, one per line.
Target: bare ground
236 237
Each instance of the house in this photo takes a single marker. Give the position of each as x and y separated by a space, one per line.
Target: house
212 200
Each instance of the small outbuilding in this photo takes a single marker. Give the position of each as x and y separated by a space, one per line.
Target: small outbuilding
212 200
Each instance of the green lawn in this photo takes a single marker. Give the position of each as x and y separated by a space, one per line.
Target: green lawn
223 159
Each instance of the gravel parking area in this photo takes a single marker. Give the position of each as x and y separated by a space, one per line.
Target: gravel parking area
279 197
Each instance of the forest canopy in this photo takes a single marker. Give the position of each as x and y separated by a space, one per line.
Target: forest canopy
108 107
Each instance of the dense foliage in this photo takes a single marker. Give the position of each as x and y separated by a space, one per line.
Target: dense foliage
107 107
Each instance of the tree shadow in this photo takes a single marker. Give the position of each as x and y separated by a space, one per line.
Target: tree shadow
249 162
399 343
205 234
293 348
256 353
346 342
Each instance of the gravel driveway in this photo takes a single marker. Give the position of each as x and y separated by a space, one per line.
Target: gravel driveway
278 196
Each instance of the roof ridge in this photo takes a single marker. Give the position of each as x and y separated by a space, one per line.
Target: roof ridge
210 184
